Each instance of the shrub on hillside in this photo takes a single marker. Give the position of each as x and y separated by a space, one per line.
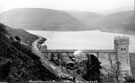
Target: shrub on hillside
2 28
17 38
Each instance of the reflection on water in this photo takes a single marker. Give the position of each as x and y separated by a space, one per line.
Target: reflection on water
82 39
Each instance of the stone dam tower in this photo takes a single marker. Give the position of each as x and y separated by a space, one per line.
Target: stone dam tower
121 46
115 60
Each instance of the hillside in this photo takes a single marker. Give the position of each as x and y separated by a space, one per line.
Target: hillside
86 17
25 36
18 63
41 19
117 22
120 9
55 20
122 21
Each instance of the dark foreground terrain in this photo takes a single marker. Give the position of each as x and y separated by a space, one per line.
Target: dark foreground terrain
17 62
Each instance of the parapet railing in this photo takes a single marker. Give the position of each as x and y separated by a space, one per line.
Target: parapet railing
73 50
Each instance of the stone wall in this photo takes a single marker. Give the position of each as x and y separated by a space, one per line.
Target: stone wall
111 60
106 57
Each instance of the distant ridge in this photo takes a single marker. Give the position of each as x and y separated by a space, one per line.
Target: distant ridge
85 17
117 22
55 20
121 22
126 8
41 19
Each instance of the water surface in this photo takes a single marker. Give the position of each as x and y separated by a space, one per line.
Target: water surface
82 39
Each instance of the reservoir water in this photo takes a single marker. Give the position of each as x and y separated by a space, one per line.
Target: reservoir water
82 39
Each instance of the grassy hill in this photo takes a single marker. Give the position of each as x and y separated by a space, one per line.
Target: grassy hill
41 19
86 17
120 21
18 63
117 22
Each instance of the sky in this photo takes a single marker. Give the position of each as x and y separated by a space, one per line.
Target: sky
78 5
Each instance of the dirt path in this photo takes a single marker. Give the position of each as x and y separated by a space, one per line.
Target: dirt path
47 64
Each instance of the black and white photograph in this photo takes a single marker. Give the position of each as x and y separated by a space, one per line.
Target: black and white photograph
67 41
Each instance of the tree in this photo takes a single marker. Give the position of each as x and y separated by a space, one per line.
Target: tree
93 69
